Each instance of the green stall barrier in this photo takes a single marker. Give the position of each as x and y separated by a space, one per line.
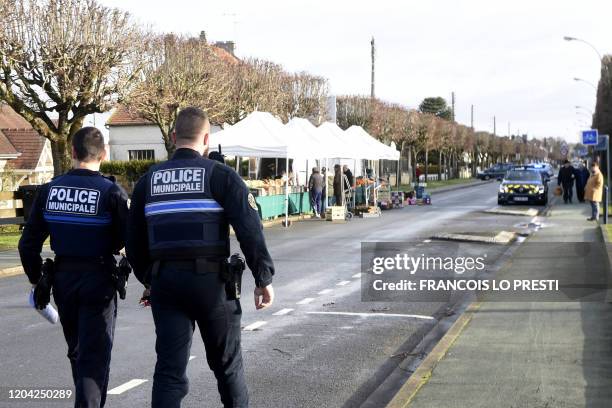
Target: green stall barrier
274 205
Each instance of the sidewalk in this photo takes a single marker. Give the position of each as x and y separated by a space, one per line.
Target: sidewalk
524 354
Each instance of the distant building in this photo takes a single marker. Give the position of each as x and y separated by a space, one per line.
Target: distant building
25 156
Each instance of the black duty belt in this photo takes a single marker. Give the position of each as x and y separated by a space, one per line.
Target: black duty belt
98 260
201 265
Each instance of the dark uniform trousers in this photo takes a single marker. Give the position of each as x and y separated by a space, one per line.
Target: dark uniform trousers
568 191
181 296
87 307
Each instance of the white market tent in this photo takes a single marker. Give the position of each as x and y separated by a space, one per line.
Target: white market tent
377 149
258 135
262 135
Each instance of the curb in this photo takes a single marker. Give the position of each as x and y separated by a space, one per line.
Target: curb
422 374
12 271
503 237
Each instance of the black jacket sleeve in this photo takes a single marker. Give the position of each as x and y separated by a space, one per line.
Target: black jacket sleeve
33 237
119 209
137 244
228 189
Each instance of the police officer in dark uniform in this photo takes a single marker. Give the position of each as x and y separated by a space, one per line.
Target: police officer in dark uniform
85 214
178 243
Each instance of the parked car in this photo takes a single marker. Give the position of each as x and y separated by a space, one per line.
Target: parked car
496 171
523 185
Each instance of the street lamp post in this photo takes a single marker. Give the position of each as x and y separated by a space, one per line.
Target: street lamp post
586 82
568 38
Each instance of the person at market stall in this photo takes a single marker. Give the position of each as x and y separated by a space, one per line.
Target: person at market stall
315 186
337 185
324 191
349 176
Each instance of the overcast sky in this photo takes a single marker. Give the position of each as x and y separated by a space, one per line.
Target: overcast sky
507 58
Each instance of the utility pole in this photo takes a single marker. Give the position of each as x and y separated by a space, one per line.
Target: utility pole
509 130
373 46
472 117
453 105
494 126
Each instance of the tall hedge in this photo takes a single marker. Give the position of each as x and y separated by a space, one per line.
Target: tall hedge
130 171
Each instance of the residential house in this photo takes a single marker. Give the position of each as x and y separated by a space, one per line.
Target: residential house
25 156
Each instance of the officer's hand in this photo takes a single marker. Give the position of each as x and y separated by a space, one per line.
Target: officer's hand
264 297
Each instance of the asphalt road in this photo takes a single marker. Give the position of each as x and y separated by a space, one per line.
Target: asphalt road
318 346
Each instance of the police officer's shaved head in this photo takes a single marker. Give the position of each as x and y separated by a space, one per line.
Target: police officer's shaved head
191 124
88 144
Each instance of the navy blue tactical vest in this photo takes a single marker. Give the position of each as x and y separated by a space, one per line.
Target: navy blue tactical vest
183 219
76 211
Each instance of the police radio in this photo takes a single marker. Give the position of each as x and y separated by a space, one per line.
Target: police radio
217 156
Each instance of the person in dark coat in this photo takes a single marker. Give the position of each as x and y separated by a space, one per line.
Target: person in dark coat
566 180
338 185
582 175
315 185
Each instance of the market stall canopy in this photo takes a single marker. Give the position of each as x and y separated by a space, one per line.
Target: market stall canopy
311 143
258 135
337 145
376 149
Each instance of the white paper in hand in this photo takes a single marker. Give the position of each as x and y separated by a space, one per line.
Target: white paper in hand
48 312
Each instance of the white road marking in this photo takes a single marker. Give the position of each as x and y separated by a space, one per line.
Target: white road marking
375 315
343 283
357 275
127 386
325 291
282 312
191 357
305 301
427 240
254 326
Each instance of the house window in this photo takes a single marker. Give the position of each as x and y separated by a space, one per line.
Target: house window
141 154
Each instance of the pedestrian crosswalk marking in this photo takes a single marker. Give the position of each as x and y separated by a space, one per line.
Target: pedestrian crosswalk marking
343 283
127 386
282 312
305 301
254 326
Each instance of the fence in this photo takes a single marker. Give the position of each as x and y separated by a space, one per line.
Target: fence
11 207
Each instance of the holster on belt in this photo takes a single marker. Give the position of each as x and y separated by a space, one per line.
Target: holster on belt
232 276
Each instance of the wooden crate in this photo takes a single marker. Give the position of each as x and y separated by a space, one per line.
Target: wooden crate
335 213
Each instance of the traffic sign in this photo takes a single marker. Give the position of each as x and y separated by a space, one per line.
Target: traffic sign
602 143
589 137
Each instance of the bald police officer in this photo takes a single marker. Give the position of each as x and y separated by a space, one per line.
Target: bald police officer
85 215
178 243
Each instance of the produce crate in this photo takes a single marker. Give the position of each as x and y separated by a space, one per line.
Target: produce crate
335 213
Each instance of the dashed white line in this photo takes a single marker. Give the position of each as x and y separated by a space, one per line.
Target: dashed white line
357 275
305 301
127 386
427 240
282 312
254 326
325 291
423 317
343 283
191 357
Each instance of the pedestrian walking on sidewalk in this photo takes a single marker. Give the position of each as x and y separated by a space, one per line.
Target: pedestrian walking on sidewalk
594 191
315 185
566 180
582 175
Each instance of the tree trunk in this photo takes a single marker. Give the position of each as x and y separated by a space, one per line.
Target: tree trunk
61 150
439 165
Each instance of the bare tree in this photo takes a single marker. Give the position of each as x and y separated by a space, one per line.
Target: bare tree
354 110
306 97
181 72
61 60
257 85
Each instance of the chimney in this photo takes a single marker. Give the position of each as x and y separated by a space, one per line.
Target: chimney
228 46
